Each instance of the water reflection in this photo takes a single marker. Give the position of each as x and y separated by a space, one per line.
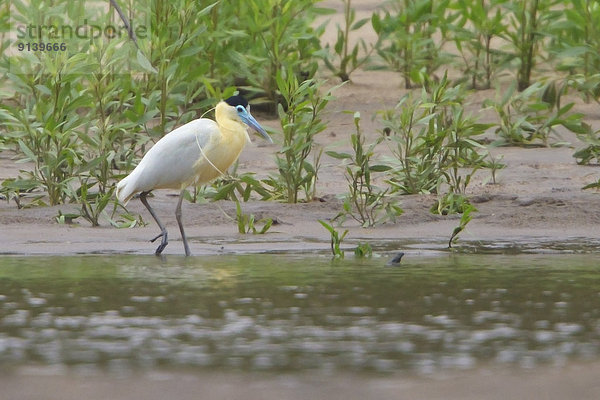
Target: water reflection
279 312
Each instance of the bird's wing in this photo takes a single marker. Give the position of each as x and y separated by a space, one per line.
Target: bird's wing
170 162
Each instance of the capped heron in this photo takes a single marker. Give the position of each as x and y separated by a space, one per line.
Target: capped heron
194 153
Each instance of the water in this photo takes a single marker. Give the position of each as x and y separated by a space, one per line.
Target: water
292 313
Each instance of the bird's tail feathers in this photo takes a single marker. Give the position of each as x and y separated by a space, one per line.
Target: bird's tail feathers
125 190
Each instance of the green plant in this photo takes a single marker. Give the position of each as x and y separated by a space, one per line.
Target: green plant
301 121
65 111
46 130
530 22
587 86
591 152
175 74
478 24
365 203
93 203
363 250
593 185
461 150
233 186
280 36
576 39
14 188
246 223
526 118
346 60
416 169
432 141
336 239
126 220
407 40
110 142
494 164
5 26
450 203
464 220
68 218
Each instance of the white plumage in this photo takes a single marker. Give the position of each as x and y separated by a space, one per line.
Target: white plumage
169 163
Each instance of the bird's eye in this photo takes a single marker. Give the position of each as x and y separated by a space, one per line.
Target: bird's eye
240 109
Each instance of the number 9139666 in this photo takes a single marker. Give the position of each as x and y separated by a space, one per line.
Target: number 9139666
41 46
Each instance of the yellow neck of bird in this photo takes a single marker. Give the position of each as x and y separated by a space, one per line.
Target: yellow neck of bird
228 121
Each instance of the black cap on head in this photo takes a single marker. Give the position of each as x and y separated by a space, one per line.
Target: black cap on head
237 101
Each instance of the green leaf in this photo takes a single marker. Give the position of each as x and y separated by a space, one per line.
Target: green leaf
21 184
327 226
27 151
206 9
145 63
376 23
359 24
322 10
593 185
339 156
266 226
379 168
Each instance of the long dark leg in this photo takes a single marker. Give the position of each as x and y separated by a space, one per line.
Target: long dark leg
180 223
163 230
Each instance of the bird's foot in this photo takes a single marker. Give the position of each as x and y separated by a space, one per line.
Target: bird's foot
163 243
157 236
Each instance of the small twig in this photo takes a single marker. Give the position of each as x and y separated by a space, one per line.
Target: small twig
125 22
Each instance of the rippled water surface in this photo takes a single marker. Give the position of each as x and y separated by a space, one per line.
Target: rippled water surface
282 312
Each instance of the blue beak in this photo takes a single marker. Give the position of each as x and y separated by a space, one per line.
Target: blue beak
252 123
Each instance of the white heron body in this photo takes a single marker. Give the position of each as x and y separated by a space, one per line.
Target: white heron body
194 153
